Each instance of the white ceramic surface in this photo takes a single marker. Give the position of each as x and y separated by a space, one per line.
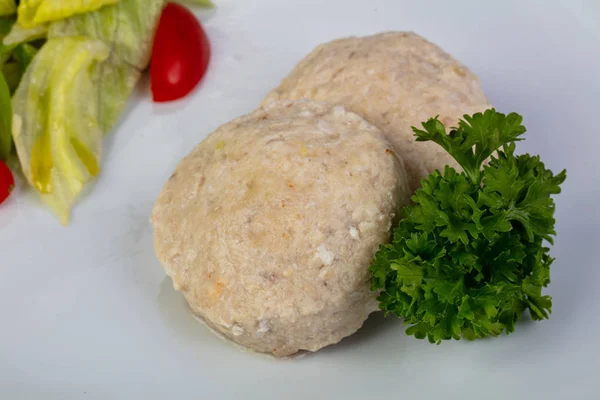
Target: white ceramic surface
86 311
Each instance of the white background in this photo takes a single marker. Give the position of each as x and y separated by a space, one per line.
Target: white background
86 311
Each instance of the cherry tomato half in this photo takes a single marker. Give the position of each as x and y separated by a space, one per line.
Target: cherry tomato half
180 54
7 182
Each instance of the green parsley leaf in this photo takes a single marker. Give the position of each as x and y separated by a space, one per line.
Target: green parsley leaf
468 258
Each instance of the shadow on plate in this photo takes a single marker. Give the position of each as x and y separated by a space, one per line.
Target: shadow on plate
190 328
373 330
176 314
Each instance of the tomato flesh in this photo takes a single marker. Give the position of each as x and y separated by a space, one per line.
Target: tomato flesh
7 181
180 54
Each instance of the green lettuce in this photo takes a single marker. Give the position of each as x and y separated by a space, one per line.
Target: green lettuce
8 7
73 93
18 34
38 12
6 24
56 131
201 3
15 52
5 102
5 119
128 28
114 84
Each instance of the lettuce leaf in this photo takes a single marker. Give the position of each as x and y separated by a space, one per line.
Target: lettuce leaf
201 3
13 70
56 130
6 24
74 91
8 7
39 12
18 34
115 83
127 28
5 119
12 74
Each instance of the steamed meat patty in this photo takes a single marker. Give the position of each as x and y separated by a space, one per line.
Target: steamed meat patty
269 225
393 80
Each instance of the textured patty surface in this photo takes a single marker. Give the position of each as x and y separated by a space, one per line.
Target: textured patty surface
394 80
269 225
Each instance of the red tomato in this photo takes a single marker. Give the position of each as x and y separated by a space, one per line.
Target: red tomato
180 54
7 182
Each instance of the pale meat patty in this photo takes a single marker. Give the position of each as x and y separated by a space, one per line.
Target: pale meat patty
394 80
269 225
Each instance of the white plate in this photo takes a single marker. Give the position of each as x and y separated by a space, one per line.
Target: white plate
86 311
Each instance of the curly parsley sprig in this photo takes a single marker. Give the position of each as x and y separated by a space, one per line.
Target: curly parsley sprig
469 257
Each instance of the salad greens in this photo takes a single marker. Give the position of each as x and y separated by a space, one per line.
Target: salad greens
18 34
203 3
33 13
128 29
14 57
70 67
8 7
5 119
59 140
5 104
469 257
6 24
57 125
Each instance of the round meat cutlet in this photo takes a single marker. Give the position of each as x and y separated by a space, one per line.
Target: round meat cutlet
394 80
269 225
